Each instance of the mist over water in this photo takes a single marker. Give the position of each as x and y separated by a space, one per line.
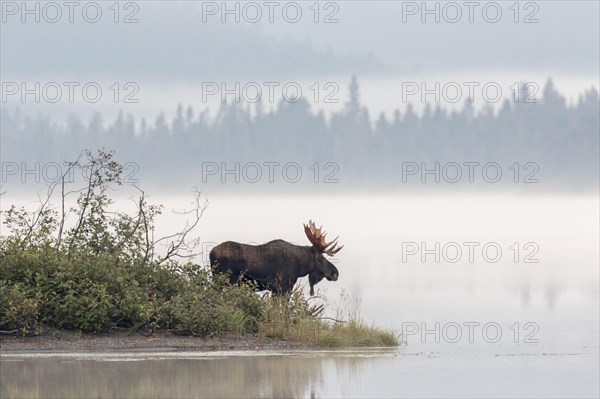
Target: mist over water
464 324
405 257
450 258
327 93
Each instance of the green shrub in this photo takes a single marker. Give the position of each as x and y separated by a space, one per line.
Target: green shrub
19 309
208 305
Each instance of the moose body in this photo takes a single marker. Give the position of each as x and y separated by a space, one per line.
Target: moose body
276 265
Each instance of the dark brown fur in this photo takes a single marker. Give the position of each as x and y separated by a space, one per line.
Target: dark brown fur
274 266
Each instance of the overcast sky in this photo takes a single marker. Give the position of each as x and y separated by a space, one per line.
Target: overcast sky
189 39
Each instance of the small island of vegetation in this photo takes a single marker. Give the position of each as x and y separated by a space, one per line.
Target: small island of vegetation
92 270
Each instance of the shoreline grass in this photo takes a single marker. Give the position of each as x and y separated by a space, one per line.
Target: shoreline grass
294 318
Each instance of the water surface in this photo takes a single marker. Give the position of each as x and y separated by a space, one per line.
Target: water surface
373 373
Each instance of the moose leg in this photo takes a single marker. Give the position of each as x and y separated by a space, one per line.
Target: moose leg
313 279
283 286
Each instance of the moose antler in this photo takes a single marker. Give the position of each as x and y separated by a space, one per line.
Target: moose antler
317 239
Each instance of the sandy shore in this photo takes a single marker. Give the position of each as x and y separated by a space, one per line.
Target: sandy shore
70 341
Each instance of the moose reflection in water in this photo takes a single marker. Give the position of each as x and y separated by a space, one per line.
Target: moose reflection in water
277 265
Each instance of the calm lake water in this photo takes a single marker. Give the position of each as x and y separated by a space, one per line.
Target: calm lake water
508 306
375 373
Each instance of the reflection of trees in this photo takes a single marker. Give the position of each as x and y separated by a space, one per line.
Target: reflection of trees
524 292
561 138
233 377
551 293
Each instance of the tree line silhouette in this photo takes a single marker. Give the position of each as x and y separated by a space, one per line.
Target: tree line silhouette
562 139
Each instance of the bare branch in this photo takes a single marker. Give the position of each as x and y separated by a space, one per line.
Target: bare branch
180 243
62 200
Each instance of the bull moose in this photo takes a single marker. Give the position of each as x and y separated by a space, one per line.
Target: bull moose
277 265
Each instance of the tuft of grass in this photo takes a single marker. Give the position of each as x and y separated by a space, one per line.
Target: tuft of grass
290 317
296 319
356 333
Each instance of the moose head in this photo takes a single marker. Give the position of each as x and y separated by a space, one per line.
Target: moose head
323 268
